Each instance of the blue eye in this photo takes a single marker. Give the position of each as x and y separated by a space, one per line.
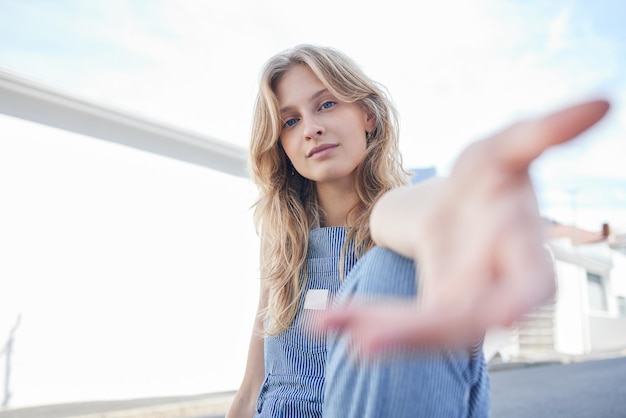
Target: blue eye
290 122
328 105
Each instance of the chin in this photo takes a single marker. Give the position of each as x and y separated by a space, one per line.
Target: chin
333 176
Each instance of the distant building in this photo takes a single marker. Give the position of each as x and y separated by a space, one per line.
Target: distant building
588 314
421 174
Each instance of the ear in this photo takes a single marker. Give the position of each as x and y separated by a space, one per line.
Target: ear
370 122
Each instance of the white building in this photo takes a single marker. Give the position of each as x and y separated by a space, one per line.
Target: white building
588 314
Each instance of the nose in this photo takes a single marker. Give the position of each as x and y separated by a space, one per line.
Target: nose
313 129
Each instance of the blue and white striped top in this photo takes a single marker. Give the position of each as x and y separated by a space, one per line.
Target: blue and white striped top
303 380
295 360
426 384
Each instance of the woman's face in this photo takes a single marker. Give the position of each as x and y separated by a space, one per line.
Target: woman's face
323 137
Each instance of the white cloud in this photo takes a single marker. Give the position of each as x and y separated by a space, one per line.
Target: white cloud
557 38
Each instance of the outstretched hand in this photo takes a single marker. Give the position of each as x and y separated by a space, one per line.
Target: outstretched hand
479 245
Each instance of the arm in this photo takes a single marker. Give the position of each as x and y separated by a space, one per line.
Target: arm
244 402
395 216
478 237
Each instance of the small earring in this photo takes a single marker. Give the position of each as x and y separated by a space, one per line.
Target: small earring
368 137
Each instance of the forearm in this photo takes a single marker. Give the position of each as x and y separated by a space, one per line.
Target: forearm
244 402
397 217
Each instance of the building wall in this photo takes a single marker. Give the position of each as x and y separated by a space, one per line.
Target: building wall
570 312
608 333
580 328
618 274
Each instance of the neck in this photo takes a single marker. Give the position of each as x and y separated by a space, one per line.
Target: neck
336 202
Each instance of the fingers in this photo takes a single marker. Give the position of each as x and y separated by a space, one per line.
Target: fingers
568 123
515 148
374 327
519 145
377 328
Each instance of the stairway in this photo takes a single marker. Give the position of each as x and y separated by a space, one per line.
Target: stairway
535 333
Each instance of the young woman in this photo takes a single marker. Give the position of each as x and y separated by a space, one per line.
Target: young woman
324 149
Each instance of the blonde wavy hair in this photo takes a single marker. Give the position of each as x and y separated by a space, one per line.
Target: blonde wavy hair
287 208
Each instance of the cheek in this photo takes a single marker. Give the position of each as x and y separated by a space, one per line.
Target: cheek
287 147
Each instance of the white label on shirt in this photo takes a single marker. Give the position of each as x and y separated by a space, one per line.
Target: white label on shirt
316 299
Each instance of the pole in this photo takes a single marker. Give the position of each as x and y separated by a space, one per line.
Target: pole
7 371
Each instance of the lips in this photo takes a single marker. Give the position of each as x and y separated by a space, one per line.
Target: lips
320 148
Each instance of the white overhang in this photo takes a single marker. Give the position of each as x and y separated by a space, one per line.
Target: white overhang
29 100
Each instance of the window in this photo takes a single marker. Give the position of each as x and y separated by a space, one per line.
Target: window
596 292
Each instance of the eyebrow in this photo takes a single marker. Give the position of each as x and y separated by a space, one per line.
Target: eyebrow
312 98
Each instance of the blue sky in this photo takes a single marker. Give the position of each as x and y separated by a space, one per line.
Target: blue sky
123 229
457 71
